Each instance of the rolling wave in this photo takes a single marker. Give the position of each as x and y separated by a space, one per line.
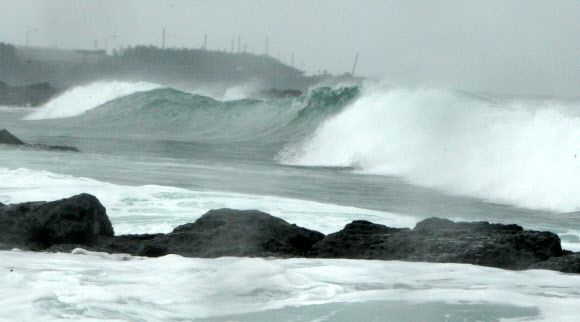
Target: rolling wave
520 151
80 99
524 153
167 113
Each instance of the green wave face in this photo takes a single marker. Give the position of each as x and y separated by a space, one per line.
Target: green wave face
169 114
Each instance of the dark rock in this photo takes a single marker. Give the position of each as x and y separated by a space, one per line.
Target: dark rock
56 148
443 241
228 232
79 220
130 244
7 138
569 263
274 93
361 240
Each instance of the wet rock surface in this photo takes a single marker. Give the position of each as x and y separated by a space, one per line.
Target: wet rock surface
9 139
443 241
81 221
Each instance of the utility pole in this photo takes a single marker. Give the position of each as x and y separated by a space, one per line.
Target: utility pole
232 45
239 43
267 44
163 40
107 43
292 60
205 42
27 48
353 67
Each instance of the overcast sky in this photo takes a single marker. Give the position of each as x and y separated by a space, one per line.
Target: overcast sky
502 46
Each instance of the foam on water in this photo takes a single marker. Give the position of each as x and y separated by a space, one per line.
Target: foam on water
86 285
159 209
517 153
80 99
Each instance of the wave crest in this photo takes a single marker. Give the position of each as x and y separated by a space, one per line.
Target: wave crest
80 99
523 154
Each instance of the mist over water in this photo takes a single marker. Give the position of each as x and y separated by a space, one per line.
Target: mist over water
519 150
523 153
80 99
187 113
158 157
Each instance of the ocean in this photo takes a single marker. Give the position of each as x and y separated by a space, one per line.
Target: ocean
158 157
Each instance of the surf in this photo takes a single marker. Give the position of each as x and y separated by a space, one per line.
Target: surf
519 152
80 99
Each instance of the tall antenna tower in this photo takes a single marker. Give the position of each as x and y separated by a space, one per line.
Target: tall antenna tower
353 67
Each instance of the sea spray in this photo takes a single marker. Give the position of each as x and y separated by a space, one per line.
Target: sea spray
80 99
461 144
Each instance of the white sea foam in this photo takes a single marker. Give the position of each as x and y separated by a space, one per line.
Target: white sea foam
86 285
159 209
80 99
522 154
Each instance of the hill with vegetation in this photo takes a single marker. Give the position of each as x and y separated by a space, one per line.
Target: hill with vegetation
149 63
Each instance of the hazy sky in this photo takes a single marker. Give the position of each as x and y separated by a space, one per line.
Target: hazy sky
503 46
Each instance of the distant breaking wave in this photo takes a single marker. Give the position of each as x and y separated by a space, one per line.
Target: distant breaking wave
519 151
80 99
525 153
170 114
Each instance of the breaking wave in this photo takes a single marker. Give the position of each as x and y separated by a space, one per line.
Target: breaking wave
80 99
521 152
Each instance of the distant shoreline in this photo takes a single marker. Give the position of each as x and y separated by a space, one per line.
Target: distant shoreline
26 96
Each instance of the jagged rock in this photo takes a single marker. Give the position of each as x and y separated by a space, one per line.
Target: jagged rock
8 138
56 147
228 232
443 241
569 263
78 220
361 239
81 221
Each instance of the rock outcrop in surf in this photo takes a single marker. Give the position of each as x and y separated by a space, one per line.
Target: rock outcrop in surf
81 222
78 220
443 241
8 138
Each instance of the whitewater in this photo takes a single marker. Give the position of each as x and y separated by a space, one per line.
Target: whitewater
158 157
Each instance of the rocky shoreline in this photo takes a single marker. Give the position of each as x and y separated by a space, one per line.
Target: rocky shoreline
81 222
9 139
